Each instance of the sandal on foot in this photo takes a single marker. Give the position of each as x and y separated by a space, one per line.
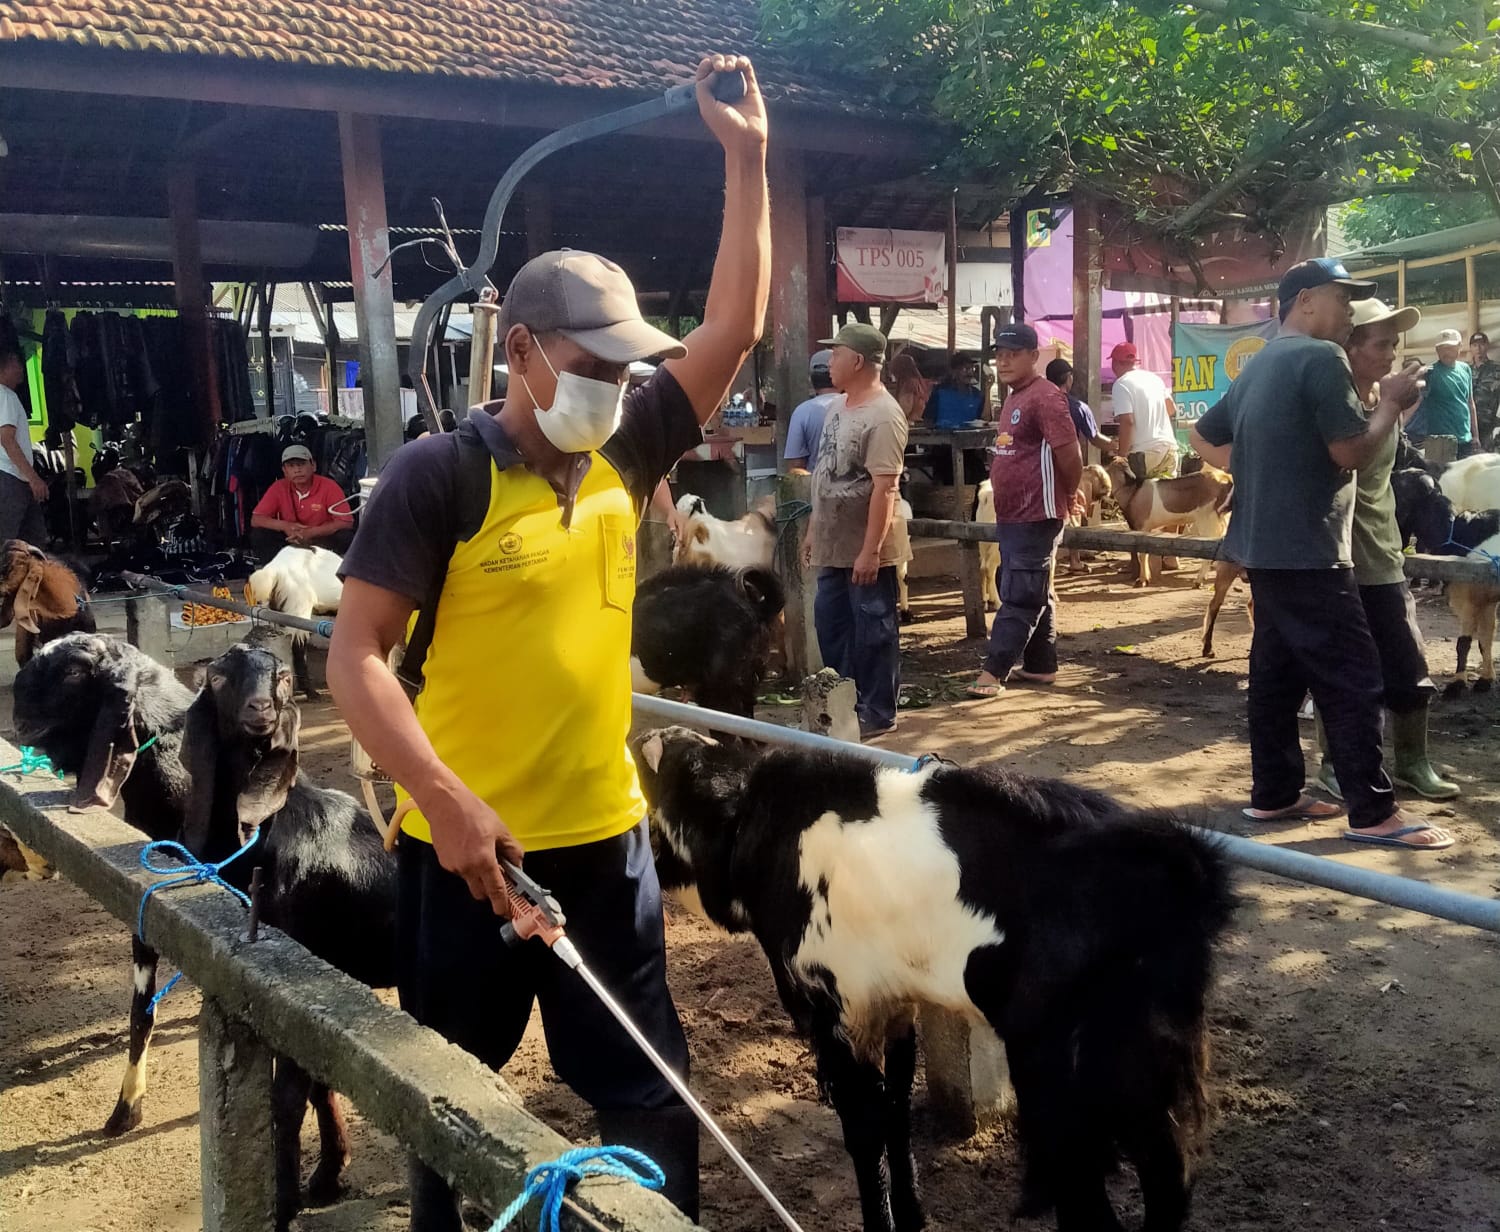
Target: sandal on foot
1397 838
985 691
1306 809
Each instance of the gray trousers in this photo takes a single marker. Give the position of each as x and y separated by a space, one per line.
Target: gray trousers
20 515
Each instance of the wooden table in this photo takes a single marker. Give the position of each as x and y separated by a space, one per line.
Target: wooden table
968 553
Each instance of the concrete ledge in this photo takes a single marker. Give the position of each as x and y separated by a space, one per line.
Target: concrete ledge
459 1116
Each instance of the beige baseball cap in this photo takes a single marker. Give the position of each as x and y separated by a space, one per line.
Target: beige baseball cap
588 300
1373 311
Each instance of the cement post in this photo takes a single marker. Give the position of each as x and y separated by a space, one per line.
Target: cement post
802 655
148 627
237 1155
968 1079
828 706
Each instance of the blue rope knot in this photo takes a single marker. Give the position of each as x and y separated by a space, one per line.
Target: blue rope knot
325 628
189 870
33 761
550 1180
1474 551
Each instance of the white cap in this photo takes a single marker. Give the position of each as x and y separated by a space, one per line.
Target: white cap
1450 337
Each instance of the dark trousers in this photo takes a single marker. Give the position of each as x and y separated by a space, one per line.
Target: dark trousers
1391 613
266 543
457 976
1025 629
859 637
1311 635
20 515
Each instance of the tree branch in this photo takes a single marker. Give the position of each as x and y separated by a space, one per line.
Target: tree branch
1406 40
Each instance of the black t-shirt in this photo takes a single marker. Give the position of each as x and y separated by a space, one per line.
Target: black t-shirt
415 515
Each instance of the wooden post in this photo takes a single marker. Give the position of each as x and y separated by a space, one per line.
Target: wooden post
369 246
267 294
790 344
802 655
1401 303
237 1159
969 582
953 273
819 297
331 352
192 303
1471 284
1088 298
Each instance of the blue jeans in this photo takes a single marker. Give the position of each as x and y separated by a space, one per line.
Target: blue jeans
1024 631
860 638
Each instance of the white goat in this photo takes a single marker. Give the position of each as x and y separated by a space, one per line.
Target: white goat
300 582
1474 604
989 552
1473 484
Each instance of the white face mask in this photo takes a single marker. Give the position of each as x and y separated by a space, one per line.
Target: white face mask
584 412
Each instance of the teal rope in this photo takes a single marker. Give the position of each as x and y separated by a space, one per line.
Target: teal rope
33 761
550 1181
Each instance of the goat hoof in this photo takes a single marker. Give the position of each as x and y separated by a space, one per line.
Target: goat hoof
286 1212
326 1186
1454 688
1483 686
907 1216
1208 652
123 1119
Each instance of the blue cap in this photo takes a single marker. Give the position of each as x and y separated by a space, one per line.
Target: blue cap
1319 272
1016 337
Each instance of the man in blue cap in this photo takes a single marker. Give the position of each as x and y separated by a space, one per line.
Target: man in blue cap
1292 430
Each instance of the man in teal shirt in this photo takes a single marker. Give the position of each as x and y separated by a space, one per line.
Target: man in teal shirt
1447 407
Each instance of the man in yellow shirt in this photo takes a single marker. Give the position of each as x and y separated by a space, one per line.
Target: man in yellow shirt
516 742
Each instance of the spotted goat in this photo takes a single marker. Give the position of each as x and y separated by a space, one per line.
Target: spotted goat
1081 931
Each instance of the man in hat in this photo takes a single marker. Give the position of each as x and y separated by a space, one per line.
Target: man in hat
1144 410
1486 389
1447 407
805 429
515 536
1035 477
854 538
1292 429
303 509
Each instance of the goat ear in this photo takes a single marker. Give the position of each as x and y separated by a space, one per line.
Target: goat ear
268 783
651 751
110 756
200 759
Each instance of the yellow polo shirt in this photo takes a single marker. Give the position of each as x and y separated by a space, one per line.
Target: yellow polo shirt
527 681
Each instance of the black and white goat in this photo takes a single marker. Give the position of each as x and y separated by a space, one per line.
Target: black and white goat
708 629
1081 931
209 772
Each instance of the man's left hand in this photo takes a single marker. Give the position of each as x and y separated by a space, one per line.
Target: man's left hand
739 126
297 536
866 568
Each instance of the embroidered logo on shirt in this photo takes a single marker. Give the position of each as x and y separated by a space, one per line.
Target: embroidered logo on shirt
628 543
1015 417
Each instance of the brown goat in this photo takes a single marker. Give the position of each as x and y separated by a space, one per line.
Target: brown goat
1226 574
1197 503
44 597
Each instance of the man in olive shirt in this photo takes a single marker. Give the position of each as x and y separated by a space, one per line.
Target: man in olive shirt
854 536
1291 429
1379 568
1486 389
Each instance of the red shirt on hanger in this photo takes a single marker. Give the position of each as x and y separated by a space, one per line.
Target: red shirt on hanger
310 508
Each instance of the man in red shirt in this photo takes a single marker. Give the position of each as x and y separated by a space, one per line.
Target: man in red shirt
1035 475
301 509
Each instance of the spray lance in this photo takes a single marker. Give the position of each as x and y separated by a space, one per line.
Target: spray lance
535 914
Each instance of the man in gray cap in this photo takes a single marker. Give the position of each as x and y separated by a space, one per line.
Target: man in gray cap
303 509
515 539
805 429
854 536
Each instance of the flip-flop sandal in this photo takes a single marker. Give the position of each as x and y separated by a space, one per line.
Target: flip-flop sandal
1306 809
1396 838
984 691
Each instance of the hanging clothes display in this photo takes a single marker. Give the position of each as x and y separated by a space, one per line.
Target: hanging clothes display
10 340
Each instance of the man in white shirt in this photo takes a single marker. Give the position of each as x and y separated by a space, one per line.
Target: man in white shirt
21 489
1145 411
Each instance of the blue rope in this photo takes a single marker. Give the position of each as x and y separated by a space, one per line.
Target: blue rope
325 628
33 761
1475 551
550 1181
192 871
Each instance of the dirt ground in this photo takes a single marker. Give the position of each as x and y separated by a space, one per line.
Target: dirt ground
1356 1071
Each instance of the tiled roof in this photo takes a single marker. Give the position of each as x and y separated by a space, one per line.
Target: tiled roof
611 44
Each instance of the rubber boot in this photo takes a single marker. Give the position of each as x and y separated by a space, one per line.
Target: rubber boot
1327 779
667 1135
1412 769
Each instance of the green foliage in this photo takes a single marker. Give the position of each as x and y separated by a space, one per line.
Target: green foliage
1156 105
1381 220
